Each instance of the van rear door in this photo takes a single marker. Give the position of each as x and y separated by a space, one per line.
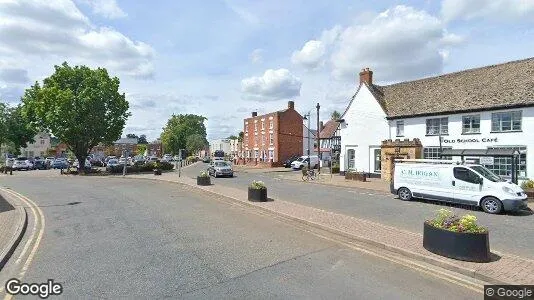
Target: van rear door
465 188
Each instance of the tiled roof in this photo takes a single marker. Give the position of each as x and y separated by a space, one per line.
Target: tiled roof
495 86
131 141
329 129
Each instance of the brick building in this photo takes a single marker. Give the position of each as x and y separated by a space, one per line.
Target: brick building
272 138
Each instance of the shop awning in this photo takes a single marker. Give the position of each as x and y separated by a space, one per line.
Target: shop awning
496 152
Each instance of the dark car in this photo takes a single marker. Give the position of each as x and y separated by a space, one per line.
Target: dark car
287 162
60 163
40 164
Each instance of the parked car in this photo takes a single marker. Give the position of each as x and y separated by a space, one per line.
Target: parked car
287 162
153 159
49 160
108 158
218 158
167 157
220 168
112 163
40 164
22 163
302 162
60 163
470 184
87 164
206 159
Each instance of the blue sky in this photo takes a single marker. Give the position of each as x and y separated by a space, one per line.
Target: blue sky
225 58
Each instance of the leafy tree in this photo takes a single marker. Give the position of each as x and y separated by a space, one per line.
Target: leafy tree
15 132
241 136
132 136
335 115
142 139
178 128
80 106
141 148
232 137
195 143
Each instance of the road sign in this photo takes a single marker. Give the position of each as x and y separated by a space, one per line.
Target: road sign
486 160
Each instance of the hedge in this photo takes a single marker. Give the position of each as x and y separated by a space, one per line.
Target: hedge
137 168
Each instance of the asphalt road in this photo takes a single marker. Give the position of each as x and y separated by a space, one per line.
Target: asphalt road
116 238
509 233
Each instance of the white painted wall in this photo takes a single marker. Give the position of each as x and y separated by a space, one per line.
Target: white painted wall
220 144
365 127
308 137
39 147
416 128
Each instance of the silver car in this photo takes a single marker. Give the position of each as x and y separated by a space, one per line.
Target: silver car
220 168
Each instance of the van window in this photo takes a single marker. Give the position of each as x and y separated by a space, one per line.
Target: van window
487 173
465 175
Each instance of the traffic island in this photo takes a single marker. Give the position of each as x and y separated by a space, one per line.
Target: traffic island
457 238
257 192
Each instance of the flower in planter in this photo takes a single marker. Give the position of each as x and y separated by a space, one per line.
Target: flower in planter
445 219
204 174
258 185
527 184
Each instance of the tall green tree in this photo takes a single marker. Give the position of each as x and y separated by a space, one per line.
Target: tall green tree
80 106
142 139
141 148
241 136
195 143
335 115
132 136
232 137
178 128
15 131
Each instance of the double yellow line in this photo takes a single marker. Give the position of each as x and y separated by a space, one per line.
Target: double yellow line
33 240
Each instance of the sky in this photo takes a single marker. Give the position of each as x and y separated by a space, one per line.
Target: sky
224 59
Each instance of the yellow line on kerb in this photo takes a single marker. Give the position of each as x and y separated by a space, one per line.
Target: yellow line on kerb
39 219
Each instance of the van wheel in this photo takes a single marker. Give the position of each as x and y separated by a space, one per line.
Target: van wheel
491 205
405 194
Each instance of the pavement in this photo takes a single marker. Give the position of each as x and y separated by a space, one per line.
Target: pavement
14 221
505 267
125 238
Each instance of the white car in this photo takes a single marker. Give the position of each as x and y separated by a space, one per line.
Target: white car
87 164
456 182
302 162
22 163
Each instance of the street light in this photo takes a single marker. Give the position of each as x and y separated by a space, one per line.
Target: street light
307 117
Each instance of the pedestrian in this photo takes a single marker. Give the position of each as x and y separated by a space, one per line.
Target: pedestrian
9 166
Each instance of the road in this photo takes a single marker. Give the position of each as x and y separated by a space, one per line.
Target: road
112 237
512 233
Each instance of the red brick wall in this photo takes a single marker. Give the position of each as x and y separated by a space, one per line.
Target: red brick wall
290 138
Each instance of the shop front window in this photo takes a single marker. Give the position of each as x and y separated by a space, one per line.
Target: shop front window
434 153
502 166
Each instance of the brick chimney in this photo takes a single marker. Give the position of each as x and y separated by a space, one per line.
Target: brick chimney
291 105
254 114
366 76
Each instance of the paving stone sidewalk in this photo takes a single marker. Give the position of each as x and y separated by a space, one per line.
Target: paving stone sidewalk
507 269
10 222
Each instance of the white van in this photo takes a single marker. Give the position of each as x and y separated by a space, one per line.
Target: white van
456 182
302 162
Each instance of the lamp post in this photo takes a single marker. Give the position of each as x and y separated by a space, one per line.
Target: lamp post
318 138
307 117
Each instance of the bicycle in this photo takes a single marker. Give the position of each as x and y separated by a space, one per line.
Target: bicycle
309 175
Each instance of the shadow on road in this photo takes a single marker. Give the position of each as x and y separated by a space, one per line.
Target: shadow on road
4 205
66 204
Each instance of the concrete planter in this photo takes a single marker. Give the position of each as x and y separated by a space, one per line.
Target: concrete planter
457 245
355 176
203 180
257 195
530 194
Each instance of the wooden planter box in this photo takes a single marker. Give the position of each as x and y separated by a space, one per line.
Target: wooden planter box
355 176
530 194
257 195
157 171
203 180
462 246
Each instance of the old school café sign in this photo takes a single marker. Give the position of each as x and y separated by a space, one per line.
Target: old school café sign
474 140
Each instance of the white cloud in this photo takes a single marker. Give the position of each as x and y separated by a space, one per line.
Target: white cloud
494 10
312 54
55 31
256 56
273 85
399 44
106 8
